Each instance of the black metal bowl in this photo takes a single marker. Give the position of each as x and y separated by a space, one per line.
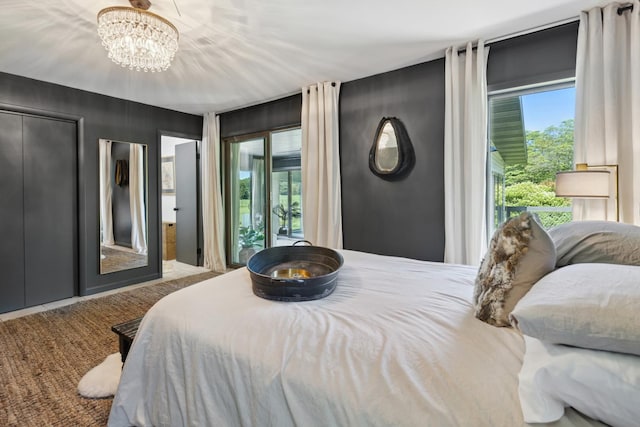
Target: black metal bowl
294 273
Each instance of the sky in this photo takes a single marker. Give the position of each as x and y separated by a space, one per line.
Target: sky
544 109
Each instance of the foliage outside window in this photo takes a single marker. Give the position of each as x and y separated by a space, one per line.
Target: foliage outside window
529 184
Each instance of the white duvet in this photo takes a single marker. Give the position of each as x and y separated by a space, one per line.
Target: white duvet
396 344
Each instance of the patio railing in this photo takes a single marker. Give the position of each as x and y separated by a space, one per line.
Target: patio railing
549 216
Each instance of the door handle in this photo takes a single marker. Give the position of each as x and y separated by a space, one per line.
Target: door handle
176 209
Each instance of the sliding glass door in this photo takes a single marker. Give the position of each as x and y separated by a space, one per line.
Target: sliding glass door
247 197
263 192
286 187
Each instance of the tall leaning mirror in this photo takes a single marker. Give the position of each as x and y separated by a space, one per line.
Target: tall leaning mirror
123 205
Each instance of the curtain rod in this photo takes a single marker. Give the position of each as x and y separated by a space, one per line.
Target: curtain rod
332 84
623 9
532 30
524 32
275 98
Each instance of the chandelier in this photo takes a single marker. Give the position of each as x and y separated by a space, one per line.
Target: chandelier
136 38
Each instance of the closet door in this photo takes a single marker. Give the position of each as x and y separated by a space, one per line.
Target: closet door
11 237
50 209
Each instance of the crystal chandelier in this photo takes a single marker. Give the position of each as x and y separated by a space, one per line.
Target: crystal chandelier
136 38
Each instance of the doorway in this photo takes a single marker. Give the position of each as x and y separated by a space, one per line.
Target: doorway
180 204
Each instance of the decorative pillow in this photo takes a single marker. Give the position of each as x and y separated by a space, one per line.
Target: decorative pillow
584 305
600 384
519 254
596 241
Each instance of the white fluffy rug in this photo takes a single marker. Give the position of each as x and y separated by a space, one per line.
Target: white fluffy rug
102 381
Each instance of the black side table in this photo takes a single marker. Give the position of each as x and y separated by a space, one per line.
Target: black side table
126 333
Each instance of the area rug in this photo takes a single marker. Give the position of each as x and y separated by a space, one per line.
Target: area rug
43 356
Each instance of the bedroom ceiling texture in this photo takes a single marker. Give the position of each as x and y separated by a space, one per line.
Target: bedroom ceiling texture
234 53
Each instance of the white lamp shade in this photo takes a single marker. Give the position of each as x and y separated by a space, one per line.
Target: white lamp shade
589 184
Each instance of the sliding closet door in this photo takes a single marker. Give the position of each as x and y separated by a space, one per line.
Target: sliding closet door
50 209
11 237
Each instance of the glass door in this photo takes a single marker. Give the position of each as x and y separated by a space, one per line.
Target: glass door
263 192
286 187
247 198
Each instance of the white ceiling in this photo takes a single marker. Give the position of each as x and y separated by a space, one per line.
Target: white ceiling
235 53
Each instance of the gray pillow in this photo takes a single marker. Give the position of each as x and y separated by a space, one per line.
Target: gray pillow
596 242
584 305
519 254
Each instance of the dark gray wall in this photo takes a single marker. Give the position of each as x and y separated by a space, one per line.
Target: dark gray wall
109 118
404 217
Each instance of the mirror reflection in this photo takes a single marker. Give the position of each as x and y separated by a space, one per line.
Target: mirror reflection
123 201
386 155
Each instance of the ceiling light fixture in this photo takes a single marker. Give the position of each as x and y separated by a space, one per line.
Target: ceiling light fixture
136 38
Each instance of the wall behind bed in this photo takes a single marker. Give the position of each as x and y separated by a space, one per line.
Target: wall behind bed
406 217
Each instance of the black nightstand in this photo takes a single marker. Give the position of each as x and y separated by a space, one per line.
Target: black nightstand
126 333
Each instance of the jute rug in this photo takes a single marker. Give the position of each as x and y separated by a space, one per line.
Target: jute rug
44 355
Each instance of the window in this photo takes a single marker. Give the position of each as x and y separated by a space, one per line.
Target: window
263 170
530 139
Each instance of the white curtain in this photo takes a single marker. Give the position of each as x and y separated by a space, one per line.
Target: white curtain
465 154
321 199
136 198
607 124
106 213
212 209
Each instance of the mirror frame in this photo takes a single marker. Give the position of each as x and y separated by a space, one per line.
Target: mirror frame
406 155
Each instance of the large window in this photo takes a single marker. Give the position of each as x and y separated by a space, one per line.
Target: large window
530 139
263 194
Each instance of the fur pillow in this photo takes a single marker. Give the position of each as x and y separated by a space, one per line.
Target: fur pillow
519 254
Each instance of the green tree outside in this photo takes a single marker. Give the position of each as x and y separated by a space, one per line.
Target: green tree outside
533 183
548 152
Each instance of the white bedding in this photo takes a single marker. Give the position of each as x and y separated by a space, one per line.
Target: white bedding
395 344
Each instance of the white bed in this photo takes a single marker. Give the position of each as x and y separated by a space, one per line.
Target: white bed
396 344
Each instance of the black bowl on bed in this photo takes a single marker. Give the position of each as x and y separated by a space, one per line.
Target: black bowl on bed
294 273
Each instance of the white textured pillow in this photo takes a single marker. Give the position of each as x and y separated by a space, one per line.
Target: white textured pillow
584 305
600 384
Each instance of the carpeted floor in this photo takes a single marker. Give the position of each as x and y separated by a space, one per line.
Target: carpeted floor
44 355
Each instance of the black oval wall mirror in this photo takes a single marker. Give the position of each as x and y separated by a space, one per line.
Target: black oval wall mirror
391 155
